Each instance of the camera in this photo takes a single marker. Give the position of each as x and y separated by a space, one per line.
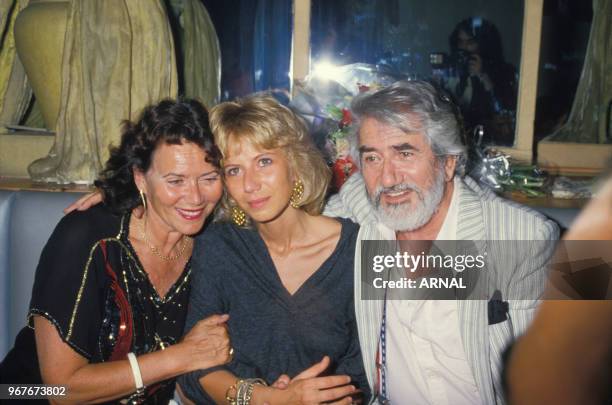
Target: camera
438 60
455 64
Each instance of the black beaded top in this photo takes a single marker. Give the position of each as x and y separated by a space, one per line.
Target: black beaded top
90 284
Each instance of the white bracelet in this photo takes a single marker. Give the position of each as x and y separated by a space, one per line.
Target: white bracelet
136 373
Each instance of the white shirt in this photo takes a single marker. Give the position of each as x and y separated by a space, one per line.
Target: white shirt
482 216
426 362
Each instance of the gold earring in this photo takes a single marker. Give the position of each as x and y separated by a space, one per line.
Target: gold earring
296 194
142 198
238 216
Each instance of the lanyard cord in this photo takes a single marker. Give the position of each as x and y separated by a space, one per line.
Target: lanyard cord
381 357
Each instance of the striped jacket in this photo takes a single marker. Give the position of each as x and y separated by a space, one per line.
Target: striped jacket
483 216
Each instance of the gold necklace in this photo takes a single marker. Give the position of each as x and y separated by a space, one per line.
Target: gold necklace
156 251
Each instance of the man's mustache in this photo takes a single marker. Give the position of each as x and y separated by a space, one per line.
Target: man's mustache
397 188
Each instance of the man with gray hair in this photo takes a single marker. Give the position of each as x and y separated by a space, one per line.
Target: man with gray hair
412 186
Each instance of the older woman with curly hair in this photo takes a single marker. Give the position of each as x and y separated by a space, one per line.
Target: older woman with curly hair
111 290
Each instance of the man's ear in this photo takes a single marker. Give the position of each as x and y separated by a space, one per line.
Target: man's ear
450 163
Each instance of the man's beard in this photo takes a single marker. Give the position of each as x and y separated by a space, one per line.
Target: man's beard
409 216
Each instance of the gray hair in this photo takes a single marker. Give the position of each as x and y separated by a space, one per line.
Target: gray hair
412 106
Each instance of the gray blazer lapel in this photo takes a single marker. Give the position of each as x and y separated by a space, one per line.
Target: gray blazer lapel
470 225
368 312
473 313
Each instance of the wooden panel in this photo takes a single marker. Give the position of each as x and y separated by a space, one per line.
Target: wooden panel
18 184
300 57
574 158
547 201
528 85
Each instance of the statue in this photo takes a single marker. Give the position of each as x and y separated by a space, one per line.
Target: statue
15 91
92 64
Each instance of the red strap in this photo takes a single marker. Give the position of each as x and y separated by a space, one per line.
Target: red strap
126 325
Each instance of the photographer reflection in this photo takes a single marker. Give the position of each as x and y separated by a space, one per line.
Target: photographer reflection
483 84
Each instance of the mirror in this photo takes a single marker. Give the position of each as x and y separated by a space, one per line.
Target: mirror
470 48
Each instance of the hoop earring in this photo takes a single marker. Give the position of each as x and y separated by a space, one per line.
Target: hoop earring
296 194
238 215
143 199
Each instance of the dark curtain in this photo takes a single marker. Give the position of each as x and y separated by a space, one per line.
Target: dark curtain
273 27
351 31
255 40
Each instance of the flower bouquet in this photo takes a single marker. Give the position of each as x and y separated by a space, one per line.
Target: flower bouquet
324 100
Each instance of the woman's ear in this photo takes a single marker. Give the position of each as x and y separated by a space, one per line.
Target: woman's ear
293 172
139 179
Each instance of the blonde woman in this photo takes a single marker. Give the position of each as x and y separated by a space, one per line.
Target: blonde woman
283 272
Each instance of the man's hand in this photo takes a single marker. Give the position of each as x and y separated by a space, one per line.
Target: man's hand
84 203
89 200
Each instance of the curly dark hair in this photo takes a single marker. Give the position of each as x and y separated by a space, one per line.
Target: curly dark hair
169 121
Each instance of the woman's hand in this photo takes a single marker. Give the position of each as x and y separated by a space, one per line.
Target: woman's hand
281 382
309 389
206 345
84 203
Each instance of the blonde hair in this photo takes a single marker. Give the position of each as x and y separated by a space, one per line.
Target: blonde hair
267 124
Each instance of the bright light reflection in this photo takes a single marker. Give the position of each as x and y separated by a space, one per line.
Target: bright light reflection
325 70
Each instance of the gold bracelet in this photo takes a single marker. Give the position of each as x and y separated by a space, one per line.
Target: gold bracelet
233 400
244 390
